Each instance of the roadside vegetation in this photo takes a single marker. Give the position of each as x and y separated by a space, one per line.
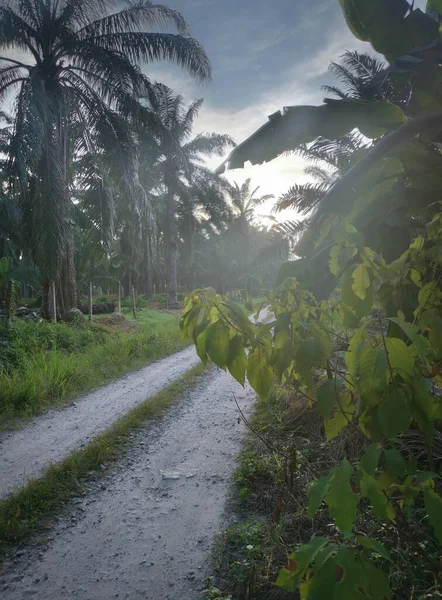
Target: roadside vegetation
42 364
341 486
285 453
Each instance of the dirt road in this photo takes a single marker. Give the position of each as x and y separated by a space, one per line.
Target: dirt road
27 452
146 532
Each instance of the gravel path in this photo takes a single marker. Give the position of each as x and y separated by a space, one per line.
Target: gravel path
146 530
27 452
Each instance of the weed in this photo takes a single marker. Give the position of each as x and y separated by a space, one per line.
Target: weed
252 470
46 364
214 593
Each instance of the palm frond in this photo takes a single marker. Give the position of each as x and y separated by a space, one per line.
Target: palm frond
149 47
209 143
301 197
138 16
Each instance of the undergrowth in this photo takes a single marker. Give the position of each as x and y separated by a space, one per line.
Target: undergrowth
282 457
42 364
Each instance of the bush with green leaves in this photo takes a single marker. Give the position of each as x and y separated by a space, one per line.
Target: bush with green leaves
377 236
386 385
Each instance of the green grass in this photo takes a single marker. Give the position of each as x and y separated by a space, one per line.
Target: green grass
31 509
46 364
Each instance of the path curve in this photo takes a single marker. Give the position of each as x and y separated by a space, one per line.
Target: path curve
27 452
146 530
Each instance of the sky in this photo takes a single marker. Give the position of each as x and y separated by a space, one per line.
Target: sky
265 55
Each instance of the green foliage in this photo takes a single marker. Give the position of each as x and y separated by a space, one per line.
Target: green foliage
387 25
386 391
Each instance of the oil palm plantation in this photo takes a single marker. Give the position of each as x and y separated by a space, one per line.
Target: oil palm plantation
65 58
180 164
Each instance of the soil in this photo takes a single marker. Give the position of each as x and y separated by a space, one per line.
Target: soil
145 531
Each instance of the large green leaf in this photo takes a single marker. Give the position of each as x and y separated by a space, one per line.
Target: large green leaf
350 302
394 413
218 343
400 356
317 493
383 24
372 371
396 463
340 257
433 504
322 339
377 586
259 371
361 281
374 545
412 332
303 124
363 16
434 5
328 395
379 501
237 359
343 415
340 499
370 460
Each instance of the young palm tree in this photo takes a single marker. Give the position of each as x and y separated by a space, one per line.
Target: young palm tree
364 78
328 159
244 201
181 159
81 58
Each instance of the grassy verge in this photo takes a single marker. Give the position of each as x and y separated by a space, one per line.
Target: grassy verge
32 508
42 364
270 495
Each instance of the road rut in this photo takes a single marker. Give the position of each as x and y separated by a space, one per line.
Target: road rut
27 452
146 530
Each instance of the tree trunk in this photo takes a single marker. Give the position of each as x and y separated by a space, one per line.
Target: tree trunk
171 260
147 266
67 284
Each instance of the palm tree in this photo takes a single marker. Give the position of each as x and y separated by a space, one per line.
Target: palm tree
329 160
364 77
202 210
82 59
181 160
244 201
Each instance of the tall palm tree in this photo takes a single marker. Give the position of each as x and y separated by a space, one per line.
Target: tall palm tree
81 58
202 210
181 159
244 201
